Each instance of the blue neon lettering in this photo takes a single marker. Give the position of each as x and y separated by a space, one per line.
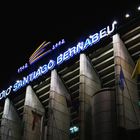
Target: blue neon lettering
25 80
103 33
95 38
8 90
34 75
51 64
72 51
87 43
60 59
5 93
17 85
44 69
31 77
81 46
2 94
113 28
66 55
58 44
38 73
63 41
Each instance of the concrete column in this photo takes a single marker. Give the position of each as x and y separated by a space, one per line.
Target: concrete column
104 115
59 115
33 116
10 124
127 98
89 84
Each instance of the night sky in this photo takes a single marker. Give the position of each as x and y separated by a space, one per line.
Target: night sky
25 26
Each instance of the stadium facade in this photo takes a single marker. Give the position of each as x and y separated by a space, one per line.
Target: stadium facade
85 90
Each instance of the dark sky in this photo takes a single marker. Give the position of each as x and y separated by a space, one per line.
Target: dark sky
24 26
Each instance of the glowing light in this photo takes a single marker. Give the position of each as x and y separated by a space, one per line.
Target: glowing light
69 53
127 15
138 8
74 129
115 22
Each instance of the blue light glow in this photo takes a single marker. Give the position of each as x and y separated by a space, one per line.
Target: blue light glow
5 93
69 53
51 64
74 129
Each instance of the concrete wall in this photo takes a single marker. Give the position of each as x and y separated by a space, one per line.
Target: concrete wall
127 99
33 116
59 115
11 125
104 115
89 84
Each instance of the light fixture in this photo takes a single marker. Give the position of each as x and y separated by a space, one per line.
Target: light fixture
74 129
127 15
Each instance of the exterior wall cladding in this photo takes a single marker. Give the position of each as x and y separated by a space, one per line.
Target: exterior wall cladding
84 93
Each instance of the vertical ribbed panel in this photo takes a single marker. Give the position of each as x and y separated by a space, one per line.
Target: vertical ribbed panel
127 98
11 125
104 114
33 116
89 84
59 115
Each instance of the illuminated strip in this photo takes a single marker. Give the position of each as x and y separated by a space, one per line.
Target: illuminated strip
62 57
38 52
40 47
36 58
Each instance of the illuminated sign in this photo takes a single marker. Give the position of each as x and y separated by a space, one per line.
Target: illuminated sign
69 53
23 68
74 129
40 52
